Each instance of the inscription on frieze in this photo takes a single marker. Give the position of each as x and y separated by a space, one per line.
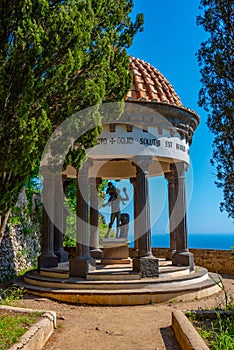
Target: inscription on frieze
142 141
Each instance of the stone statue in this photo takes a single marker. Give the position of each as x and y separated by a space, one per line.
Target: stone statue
124 221
114 201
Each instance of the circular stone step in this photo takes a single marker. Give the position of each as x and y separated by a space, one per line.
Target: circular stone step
125 289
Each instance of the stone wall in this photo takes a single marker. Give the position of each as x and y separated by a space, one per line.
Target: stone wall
220 261
18 251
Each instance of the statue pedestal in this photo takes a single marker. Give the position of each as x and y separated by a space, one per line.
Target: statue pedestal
115 251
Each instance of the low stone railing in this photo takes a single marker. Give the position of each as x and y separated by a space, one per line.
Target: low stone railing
220 261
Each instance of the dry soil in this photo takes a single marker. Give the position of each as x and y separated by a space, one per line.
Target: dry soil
119 328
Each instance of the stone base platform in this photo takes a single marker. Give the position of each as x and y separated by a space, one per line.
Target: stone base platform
120 285
115 251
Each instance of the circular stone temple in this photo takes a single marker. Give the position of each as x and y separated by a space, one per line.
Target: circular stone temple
147 136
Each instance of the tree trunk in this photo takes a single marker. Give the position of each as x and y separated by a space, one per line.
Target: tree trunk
3 222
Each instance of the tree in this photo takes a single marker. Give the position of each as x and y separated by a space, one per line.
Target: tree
56 57
216 60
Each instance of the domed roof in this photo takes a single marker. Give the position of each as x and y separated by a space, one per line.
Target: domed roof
149 85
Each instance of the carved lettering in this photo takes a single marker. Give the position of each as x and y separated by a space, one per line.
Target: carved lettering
180 147
121 140
102 141
124 140
150 142
168 144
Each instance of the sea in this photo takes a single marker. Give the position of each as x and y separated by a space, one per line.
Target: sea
217 241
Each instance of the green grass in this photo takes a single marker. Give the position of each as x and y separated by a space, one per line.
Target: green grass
12 327
218 333
221 334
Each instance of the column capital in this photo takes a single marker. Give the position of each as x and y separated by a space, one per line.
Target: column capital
179 168
88 163
143 162
85 166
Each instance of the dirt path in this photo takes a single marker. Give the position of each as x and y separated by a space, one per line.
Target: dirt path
119 328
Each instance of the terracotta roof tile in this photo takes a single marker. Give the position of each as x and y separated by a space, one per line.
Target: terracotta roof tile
150 85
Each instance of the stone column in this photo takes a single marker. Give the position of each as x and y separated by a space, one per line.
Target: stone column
47 258
182 256
82 263
135 207
171 178
95 251
59 214
145 263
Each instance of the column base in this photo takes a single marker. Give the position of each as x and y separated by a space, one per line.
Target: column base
62 256
96 254
146 266
183 259
170 254
46 261
80 268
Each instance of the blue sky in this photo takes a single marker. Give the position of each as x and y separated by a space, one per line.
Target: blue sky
169 42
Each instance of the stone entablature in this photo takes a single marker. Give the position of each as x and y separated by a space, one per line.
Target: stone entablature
157 142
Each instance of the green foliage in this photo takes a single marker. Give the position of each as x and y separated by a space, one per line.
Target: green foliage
220 336
34 267
18 218
70 203
218 332
11 294
103 228
216 60
70 236
230 305
33 188
28 216
101 190
56 58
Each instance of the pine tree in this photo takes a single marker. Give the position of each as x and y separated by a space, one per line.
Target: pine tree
217 94
56 57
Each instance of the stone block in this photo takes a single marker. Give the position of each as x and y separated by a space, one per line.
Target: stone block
96 254
80 268
62 256
186 335
183 259
146 266
115 251
115 261
47 261
169 254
